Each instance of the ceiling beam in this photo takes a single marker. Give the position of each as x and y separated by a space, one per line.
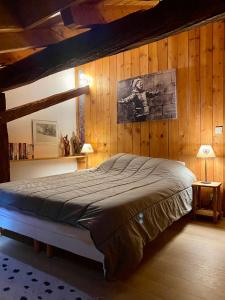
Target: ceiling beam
9 58
37 38
8 21
34 12
31 107
87 14
168 17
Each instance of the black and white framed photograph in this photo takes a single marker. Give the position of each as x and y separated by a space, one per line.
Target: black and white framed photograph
45 132
147 97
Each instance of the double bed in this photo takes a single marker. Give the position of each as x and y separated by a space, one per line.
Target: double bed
108 213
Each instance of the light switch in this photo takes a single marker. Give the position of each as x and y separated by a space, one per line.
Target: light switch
218 129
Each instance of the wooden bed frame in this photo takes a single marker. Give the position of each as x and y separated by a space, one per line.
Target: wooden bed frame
75 240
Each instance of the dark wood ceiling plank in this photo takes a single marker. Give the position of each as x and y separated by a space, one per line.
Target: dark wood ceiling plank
37 38
9 58
168 17
87 14
31 107
33 12
8 21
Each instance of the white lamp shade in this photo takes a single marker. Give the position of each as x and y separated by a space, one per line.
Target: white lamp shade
206 151
87 148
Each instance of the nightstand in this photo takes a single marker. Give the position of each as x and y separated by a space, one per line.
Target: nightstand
216 210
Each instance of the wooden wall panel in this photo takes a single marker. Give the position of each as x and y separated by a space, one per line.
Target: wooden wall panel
206 90
194 100
199 59
135 71
173 134
128 129
113 105
144 125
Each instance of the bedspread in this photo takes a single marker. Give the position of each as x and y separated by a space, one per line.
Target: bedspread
125 202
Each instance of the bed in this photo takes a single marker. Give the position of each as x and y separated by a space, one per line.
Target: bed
108 213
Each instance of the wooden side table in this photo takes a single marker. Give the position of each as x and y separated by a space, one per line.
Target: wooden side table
216 211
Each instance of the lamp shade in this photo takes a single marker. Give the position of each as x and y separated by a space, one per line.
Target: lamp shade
87 148
206 151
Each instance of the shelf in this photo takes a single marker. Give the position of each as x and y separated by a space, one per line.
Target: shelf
206 212
50 158
212 184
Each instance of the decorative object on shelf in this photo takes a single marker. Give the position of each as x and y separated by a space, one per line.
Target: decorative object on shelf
206 151
20 151
76 144
147 97
86 149
45 132
66 145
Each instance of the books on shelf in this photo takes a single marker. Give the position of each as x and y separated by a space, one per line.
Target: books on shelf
18 151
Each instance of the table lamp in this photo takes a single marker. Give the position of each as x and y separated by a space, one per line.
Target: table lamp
86 149
206 151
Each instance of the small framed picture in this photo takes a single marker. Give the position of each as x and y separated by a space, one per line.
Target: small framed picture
45 132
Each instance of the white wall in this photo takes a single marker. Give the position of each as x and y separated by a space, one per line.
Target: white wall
39 168
20 131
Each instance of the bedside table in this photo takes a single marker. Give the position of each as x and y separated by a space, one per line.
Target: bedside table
216 211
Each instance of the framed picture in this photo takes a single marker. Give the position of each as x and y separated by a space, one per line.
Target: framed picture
147 97
45 132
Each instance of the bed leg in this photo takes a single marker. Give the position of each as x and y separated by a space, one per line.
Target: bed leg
49 250
37 246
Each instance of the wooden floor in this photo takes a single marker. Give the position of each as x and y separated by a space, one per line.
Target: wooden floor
186 262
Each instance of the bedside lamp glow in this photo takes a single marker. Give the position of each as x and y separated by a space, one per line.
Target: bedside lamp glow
206 151
86 149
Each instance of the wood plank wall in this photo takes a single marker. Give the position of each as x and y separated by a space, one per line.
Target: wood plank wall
199 58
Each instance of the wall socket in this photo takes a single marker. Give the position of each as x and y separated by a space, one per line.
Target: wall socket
218 129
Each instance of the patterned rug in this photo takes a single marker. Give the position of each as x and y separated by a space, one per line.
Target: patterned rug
19 281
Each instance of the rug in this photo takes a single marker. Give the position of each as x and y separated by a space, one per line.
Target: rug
19 281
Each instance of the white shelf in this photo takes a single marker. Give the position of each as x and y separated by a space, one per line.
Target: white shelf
48 158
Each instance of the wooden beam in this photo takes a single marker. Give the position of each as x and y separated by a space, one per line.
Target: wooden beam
127 33
32 13
29 108
9 58
8 21
87 14
37 38
67 17
4 152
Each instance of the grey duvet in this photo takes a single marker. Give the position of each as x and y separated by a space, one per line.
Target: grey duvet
124 203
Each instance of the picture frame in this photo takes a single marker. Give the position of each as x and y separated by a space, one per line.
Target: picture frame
147 97
45 132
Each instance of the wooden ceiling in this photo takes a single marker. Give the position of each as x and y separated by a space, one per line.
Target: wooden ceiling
48 36
30 26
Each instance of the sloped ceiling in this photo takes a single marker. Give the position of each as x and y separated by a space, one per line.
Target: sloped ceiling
66 33
29 26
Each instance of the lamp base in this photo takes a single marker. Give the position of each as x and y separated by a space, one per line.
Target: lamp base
206 182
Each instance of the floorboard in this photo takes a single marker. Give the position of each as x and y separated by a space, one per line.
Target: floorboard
186 262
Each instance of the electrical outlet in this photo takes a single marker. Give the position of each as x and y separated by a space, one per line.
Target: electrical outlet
218 129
